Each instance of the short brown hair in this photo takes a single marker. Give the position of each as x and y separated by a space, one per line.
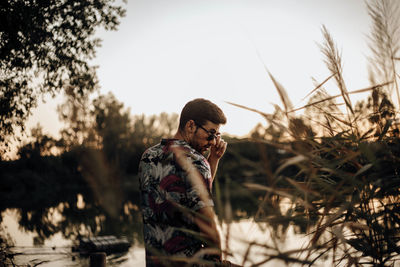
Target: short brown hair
201 110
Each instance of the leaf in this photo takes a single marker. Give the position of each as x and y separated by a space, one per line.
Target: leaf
357 225
363 169
318 86
267 116
385 129
335 96
302 187
291 161
281 193
268 189
360 245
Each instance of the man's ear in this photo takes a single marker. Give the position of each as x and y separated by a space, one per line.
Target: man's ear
190 126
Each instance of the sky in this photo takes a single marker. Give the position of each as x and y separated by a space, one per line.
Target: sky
168 52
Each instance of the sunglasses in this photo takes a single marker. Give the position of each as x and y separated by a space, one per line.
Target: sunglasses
212 134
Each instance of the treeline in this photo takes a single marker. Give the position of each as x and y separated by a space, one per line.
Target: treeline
96 160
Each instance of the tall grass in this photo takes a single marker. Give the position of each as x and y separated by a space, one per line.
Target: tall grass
338 183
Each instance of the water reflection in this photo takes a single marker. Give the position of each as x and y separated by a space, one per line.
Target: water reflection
50 204
43 228
56 200
73 220
240 237
43 231
56 249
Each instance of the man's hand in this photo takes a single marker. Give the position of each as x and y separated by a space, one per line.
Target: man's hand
217 150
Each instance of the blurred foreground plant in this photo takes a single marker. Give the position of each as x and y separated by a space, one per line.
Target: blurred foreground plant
338 181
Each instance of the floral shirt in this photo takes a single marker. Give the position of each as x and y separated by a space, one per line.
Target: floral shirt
168 200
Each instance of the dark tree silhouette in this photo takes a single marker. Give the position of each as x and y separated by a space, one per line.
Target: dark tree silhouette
45 47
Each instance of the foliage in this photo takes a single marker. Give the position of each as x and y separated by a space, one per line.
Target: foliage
339 184
45 47
75 113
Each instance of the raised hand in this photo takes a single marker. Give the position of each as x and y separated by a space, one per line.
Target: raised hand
218 150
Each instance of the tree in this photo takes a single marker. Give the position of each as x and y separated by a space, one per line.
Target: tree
41 145
45 47
112 126
76 114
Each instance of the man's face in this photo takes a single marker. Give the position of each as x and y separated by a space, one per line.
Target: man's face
199 140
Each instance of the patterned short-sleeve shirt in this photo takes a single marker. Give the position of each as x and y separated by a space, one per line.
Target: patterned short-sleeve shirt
168 198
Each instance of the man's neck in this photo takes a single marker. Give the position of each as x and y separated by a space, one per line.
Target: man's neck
179 135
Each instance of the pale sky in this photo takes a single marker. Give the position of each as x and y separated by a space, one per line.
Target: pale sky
167 52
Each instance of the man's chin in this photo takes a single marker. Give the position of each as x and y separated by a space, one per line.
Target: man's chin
202 150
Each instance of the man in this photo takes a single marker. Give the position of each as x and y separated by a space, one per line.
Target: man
175 181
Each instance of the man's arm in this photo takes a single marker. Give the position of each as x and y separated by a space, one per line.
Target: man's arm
216 152
205 220
208 228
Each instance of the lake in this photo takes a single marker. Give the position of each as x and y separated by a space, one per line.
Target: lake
56 250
